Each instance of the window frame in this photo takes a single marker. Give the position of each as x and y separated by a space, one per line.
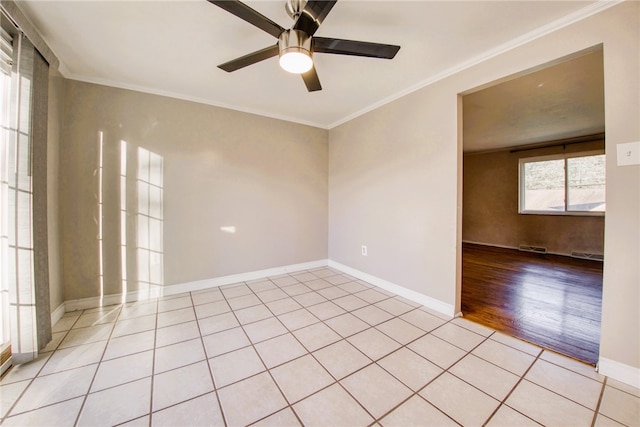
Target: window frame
562 156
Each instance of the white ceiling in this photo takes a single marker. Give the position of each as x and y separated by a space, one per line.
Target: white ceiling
173 48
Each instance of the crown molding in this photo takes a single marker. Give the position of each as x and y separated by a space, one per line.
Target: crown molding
169 94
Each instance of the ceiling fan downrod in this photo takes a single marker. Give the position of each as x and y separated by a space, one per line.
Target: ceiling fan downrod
294 8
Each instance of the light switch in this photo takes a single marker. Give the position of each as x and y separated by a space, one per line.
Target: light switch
629 153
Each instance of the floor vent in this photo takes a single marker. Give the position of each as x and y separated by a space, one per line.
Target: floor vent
536 249
587 255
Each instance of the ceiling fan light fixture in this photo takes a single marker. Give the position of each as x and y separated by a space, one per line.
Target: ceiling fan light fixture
296 62
295 51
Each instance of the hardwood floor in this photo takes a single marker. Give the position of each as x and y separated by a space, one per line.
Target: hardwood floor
553 301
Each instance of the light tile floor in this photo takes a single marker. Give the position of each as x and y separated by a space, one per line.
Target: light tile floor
310 348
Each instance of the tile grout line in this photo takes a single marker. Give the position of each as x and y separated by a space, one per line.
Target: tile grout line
268 370
444 370
543 350
414 393
373 362
467 353
309 353
31 380
176 343
88 392
153 364
556 392
515 386
206 358
597 410
336 381
537 357
226 299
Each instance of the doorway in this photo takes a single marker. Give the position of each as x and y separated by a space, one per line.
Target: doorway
541 267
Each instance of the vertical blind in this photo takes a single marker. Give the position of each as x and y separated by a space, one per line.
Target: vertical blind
6 52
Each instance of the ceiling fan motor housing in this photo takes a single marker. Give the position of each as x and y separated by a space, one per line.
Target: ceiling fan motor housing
294 41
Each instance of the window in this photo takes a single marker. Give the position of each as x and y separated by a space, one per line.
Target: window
566 184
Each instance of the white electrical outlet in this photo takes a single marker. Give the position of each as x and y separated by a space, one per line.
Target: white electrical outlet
364 250
629 153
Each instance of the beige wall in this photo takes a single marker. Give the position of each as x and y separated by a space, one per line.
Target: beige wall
392 184
54 123
267 178
490 207
395 180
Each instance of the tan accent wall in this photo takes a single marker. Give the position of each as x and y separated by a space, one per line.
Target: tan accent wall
221 168
395 181
490 207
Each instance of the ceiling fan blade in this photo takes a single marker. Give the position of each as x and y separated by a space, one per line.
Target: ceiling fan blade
354 48
250 59
245 13
312 16
311 80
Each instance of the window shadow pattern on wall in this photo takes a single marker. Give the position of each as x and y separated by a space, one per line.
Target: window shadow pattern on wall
149 222
137 223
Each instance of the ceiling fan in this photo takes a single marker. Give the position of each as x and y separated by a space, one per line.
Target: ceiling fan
297 45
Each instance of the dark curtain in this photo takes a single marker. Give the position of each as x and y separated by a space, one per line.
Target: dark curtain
39 183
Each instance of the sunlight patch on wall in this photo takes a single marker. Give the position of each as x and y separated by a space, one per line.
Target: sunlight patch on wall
123 217
229 229
150 221
100 212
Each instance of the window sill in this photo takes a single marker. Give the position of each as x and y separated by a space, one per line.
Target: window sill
568 213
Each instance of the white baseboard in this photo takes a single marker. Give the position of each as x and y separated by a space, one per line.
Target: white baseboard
243 277
431 303
93 302
619 371
57 314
